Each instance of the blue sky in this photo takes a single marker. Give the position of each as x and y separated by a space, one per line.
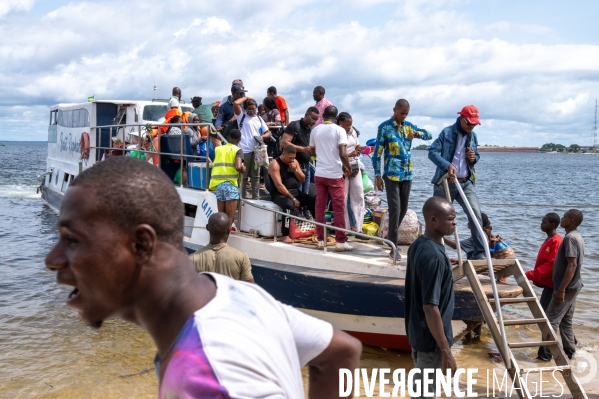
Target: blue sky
531 67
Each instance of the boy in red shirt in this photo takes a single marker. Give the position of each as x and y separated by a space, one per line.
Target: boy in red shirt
542 274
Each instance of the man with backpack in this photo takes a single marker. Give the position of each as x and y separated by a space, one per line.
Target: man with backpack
297 134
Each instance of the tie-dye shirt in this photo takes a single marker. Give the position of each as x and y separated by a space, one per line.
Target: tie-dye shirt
392 141
243 343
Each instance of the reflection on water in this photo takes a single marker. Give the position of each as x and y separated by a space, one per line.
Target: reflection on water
46 352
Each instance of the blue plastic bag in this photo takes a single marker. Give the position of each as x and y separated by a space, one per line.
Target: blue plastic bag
202 149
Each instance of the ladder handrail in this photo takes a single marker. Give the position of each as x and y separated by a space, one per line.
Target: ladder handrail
480 230
285 214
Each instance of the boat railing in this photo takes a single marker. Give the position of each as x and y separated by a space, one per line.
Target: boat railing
121 130
324 225
445 181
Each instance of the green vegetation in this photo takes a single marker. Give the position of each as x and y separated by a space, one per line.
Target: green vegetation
552 147
573 148
421 147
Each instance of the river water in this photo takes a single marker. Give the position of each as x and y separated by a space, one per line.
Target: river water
46 352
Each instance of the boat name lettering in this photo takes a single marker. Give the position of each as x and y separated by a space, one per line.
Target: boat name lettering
207 209
68 144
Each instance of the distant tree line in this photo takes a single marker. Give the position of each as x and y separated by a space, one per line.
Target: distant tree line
573 148
548 147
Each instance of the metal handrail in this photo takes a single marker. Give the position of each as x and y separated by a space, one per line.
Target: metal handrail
275 212
285 214
480 230
139 148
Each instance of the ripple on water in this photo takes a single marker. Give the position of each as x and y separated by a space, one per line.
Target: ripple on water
46 351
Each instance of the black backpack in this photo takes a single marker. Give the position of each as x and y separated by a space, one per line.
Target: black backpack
232 124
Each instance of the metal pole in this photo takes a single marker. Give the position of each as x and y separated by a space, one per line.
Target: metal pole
458 246
325 235
491 276
275 227
181 155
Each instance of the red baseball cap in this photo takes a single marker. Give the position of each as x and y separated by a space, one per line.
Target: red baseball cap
470 112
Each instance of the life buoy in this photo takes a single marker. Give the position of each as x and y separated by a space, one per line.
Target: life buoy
84 143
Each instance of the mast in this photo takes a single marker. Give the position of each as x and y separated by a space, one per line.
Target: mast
155 99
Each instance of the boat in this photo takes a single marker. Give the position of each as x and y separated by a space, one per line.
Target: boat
361 292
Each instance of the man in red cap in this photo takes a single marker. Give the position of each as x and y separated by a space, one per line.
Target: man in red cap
455 153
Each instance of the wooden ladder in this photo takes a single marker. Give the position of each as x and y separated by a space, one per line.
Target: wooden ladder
498 269
503 268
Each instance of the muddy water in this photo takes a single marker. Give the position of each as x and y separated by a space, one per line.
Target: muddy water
46 352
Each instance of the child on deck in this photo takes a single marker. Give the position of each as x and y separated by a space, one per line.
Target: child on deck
542 274
228 165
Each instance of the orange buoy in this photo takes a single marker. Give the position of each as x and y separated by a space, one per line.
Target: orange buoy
84 143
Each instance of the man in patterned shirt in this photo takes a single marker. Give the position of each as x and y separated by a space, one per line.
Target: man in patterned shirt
394 139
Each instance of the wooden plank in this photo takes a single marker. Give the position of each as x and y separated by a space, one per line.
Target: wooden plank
504 301
531 344
523 322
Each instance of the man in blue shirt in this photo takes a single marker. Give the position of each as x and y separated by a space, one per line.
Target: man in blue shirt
455 153
394 141
225 112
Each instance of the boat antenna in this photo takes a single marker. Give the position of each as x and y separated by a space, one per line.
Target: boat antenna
595 131
155 91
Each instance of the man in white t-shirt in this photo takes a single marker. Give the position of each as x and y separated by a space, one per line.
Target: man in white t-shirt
253 131
328 143
216 337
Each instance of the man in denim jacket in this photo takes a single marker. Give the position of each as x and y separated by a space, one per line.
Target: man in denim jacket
455 153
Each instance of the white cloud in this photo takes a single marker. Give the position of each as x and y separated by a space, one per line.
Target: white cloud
422 51
7 6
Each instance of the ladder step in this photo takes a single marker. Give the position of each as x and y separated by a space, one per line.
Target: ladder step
514 300
550 368
531 344
523 322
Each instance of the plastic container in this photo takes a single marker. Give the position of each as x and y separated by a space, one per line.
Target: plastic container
260 220
197 175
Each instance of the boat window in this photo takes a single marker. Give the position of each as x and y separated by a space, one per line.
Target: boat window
53 115
52 127
119 119
76 113
59 117
185 109
56 178
49 180
83 118
154 112
190 210
65 118
65 182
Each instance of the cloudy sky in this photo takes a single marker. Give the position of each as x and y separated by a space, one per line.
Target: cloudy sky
531 67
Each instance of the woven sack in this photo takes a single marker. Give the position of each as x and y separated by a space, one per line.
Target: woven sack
504 253
301 229
408 231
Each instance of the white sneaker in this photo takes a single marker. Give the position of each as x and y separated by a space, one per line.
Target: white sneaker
320 244
343 247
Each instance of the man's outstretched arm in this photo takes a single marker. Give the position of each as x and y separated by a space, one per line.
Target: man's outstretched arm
343 352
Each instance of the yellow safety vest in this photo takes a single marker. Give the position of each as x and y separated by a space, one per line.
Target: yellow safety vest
223 168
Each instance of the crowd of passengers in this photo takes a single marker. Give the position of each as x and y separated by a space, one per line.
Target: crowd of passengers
323 134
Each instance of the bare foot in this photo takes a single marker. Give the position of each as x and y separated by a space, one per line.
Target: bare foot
287 240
